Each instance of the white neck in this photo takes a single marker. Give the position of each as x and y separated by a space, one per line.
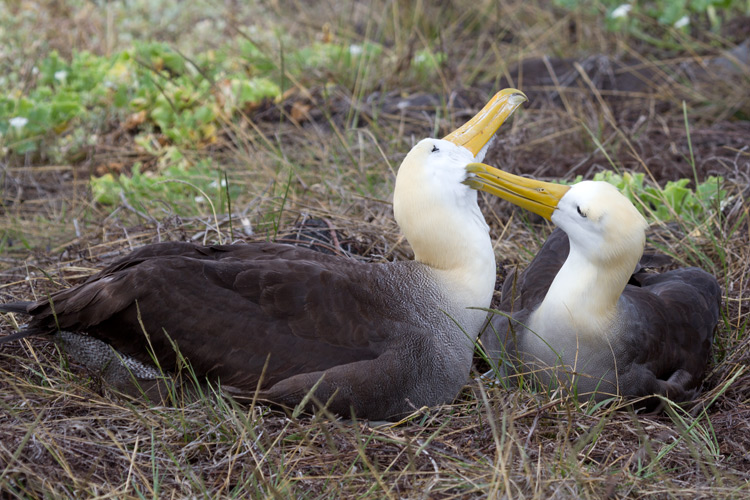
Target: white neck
459 251
440 218
583 296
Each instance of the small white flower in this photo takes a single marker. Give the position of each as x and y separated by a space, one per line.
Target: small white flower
682 22
205 26
247 226
621 11
18 122
200 199
355 49
61 75
419 58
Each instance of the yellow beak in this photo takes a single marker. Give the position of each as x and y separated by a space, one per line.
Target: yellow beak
477 132
536 196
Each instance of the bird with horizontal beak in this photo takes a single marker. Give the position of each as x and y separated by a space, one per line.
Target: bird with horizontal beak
284 323
580 318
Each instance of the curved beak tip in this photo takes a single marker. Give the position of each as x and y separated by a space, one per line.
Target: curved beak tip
477 132
513 96
518 98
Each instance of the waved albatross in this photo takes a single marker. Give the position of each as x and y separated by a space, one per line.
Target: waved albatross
376 339
581 318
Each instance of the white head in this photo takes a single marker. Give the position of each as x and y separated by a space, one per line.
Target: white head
435 209
602 224
437 212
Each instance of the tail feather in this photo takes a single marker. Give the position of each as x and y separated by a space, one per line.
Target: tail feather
16 307
20 308
22 334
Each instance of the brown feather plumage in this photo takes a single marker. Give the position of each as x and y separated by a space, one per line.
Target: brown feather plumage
231 309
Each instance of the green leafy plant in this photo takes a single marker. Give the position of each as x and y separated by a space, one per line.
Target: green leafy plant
675 199
186 191
183 99
675 13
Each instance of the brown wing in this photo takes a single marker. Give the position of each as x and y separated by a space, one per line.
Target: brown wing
666 342
229 308
529 290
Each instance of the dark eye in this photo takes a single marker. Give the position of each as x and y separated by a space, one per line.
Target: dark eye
434 148
580 213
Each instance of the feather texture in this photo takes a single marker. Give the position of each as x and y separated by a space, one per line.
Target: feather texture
372 331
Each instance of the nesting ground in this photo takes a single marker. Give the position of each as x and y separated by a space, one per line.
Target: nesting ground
317 168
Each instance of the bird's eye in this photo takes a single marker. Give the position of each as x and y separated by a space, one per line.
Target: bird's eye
434 148
579 212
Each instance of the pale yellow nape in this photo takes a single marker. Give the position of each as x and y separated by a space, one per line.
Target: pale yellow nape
440 218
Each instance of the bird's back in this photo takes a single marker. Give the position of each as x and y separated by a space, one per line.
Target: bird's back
237 312
666 340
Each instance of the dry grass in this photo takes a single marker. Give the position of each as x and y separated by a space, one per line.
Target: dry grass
64 434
